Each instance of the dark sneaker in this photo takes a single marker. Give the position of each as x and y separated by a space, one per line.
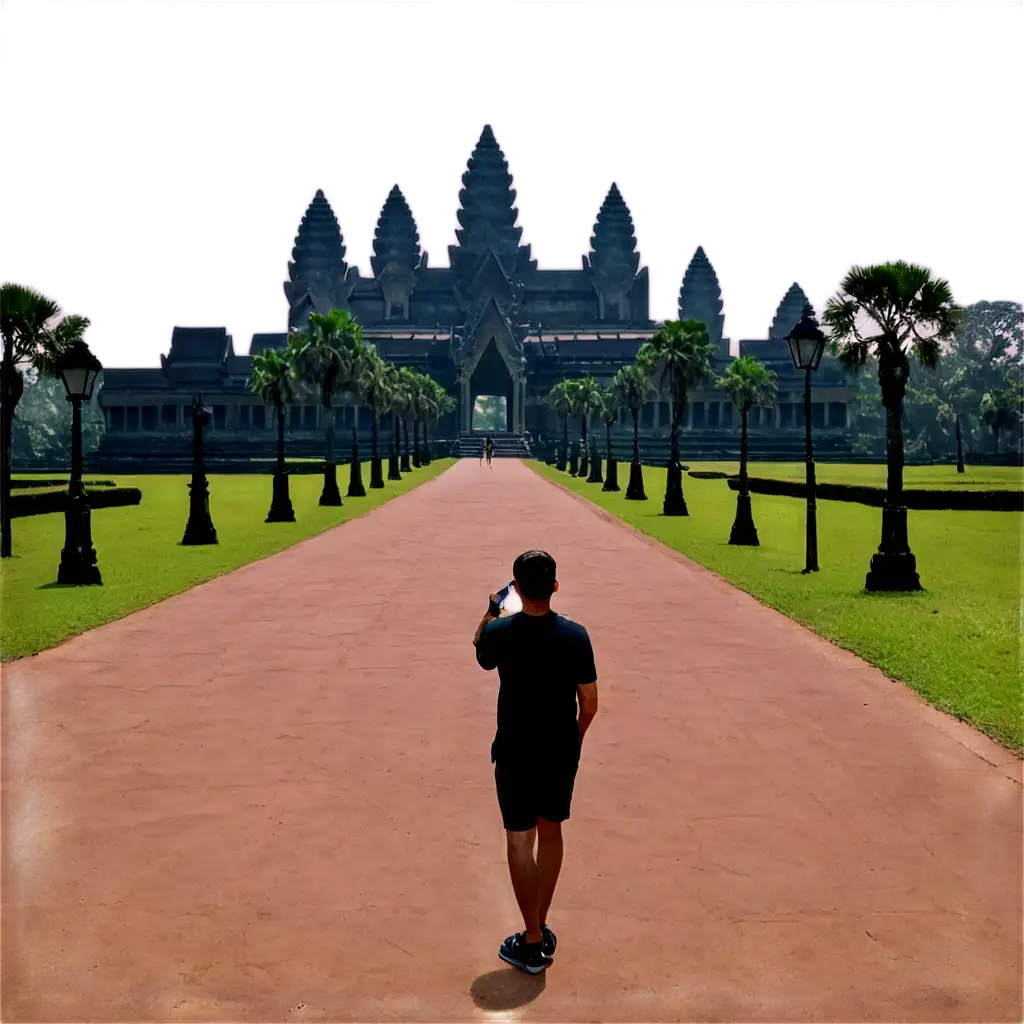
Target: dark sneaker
547 947
528 957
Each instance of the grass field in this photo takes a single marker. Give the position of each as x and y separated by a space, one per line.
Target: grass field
958 643
995 478
139 550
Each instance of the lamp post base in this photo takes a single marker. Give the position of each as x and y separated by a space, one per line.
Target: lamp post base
611 479
674 504
595 470
281 510
393 473
583 466
405 465
376 472
893 566
330 494
78 558
573 465
199 528
635 489
743 529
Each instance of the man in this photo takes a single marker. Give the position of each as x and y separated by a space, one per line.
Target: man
489 449
545 665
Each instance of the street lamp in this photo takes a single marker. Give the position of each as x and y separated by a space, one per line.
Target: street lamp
199 528
806 346
78 369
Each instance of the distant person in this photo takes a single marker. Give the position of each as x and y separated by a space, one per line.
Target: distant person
489 448
545 665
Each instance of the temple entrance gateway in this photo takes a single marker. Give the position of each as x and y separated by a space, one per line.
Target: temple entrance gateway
491 379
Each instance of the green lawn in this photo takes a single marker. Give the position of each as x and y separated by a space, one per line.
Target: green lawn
140 555
996 478
958 643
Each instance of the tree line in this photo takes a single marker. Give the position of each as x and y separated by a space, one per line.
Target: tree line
330 360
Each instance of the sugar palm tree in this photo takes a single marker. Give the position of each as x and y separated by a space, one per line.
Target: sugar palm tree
273 379
325 358
891 311
746 382
437 405
679 354
393 403
633 388
558 399
410 381
609 414
31 336
371 385
585 399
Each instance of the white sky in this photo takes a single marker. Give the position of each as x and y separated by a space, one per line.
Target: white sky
160 155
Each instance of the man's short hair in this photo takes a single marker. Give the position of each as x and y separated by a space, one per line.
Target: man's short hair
534 573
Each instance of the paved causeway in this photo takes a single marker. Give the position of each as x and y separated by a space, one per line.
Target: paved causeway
270 798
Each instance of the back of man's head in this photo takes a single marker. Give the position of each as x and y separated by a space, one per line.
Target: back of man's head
534 573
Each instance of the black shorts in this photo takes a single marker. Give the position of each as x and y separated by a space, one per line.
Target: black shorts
526 794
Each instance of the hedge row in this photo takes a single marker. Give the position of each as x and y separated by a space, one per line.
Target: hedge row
18 484
708 474
958 501
57 501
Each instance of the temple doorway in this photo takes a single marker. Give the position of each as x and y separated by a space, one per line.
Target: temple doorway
490 413
491 391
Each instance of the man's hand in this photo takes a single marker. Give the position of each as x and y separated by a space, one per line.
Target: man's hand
489 616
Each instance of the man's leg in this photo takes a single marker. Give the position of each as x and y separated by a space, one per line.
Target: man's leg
523 869
549 863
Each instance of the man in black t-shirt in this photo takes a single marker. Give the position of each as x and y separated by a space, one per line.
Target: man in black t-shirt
545 665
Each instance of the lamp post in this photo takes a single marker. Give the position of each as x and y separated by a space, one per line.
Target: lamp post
199 529
806 346
78 369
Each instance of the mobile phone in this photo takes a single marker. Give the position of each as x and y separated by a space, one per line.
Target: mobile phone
509 601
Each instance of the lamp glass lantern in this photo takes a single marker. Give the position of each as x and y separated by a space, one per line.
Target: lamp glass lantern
78 369
806 343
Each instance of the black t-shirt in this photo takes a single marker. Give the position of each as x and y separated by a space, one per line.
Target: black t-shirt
541 659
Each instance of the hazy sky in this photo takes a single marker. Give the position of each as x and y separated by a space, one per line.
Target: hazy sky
160 155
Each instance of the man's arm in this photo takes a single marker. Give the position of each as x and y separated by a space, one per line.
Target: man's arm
489 616
586 694
483 655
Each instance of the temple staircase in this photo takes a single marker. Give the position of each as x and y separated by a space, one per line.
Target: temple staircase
470 445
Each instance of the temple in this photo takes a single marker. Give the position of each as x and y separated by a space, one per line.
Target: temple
490 323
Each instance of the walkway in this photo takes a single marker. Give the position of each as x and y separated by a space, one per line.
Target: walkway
270 798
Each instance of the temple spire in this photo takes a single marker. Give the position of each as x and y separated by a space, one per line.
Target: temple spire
613 240
318 277
700 296
487 215
788 315
396 240
613 261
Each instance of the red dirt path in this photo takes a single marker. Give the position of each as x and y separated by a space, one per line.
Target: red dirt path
270 798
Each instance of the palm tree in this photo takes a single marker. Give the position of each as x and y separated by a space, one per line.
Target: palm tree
585 398
325 358
372 383
393 403
273 379
410 381
680 353
31 334
610 414
559 400
438 404
746 383
633 387
907 311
